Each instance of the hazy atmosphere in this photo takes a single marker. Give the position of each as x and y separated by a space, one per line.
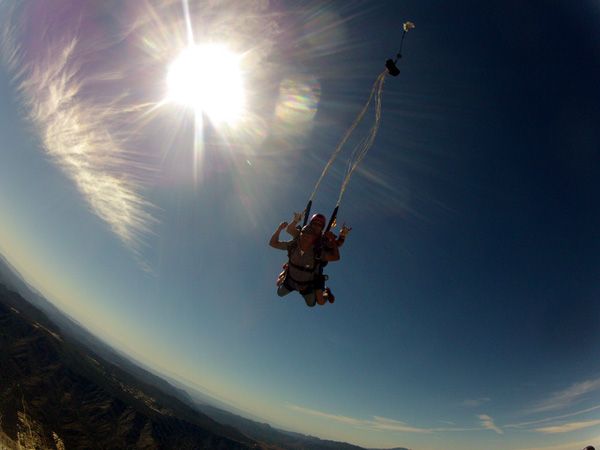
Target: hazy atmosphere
150 149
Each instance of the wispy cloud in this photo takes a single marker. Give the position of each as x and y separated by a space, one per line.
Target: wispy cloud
567 397
488 423
558 400
552 418
377 423
80 133
336 418
384 424
90 81
567 427
473 403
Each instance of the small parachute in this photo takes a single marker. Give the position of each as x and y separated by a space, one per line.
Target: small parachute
408 26
390 64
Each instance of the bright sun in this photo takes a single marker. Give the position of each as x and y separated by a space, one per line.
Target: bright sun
208 78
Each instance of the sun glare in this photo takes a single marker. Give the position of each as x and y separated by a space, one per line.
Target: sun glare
208 79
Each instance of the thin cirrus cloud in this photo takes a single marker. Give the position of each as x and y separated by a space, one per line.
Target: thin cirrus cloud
380 424
474 403
528 424
559 426
568 427
80 135
567 397
561 400
377 424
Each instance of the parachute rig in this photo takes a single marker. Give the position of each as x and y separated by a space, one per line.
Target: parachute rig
363 146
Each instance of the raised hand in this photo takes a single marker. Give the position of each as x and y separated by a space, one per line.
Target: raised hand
345 230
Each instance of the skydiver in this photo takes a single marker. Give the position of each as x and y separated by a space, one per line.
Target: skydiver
323 294
327 240
304 261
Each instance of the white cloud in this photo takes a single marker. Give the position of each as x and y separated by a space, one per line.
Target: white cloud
558 427
562 399
552 418
384 424
336 418
79 133
377 423
488 423
567 427
473 403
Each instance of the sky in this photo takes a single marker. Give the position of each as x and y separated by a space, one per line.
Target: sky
466 312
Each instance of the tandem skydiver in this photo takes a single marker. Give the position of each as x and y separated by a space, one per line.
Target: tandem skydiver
308 252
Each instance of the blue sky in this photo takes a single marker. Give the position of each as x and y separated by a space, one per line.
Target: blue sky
467 294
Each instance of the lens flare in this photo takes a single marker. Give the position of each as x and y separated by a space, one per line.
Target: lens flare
298 100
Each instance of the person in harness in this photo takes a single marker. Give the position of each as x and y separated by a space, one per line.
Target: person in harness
328 239
305 258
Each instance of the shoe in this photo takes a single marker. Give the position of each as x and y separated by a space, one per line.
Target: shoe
281 276
328 295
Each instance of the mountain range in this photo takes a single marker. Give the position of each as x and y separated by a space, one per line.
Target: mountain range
61 387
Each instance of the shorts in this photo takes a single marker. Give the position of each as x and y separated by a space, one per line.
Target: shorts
308 294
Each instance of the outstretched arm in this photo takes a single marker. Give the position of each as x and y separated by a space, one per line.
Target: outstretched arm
291 228
275 242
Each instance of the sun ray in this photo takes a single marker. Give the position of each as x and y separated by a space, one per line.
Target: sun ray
188 22
198 145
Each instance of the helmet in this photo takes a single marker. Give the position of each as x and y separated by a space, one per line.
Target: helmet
318 220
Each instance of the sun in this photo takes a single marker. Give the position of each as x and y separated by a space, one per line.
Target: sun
208 79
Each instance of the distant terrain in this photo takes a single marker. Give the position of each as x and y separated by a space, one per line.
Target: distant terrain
55 395
63 388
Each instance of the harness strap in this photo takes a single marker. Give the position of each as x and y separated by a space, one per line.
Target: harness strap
302 268
317 269
302 285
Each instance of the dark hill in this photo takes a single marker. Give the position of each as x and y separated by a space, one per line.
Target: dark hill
55 394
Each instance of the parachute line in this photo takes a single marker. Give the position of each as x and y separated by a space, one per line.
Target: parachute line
377 86
363 147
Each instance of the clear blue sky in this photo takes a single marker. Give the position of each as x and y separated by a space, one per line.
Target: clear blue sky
468 292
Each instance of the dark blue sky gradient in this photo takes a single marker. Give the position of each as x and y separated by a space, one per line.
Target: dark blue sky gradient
469 285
